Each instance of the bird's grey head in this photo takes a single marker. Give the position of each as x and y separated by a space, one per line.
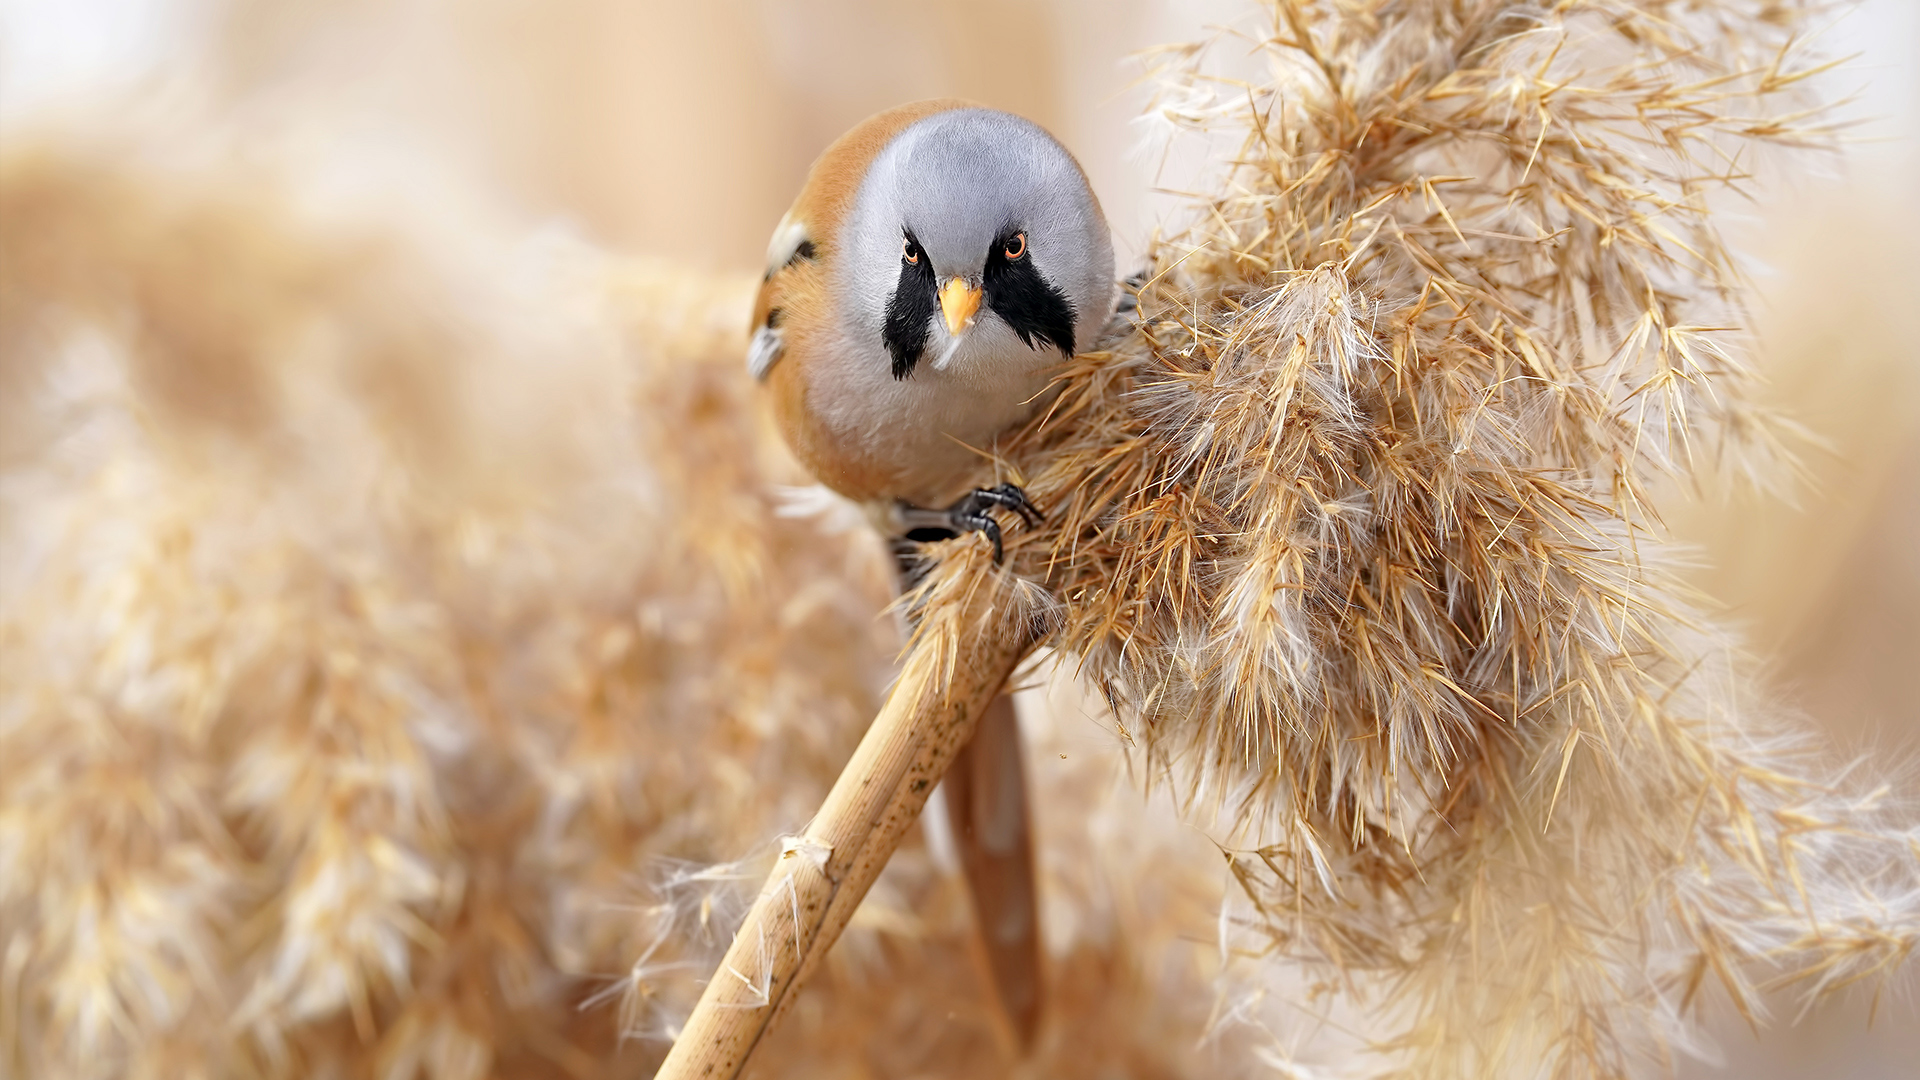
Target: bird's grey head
975 243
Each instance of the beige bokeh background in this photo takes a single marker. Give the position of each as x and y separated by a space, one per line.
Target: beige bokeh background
679 131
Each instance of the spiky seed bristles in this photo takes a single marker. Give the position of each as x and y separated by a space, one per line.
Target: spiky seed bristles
382 632
1354 529
297 713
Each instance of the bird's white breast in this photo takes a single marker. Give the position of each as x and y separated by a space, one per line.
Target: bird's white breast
929 430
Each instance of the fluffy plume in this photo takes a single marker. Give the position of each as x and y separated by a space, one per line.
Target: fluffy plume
410 648
359 643
1354 532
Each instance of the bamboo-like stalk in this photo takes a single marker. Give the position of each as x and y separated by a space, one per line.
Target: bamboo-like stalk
949 679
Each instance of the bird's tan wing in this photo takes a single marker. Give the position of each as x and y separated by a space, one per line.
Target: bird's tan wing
986 791
793 291
786 278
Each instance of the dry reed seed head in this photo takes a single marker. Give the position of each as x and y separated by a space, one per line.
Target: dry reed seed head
268 718
1353 530
294 754
325 749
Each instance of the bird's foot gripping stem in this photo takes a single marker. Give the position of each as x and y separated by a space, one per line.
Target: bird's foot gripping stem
970 513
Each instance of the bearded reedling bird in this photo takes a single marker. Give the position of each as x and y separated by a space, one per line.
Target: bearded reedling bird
940 263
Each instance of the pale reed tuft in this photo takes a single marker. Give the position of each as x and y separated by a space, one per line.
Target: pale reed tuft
1354 532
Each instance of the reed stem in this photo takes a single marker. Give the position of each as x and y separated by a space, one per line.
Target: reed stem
947 683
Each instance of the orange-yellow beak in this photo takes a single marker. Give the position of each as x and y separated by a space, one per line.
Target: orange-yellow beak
958 302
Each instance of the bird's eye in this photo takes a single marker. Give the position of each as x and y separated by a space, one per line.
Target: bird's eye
910 251
1015 246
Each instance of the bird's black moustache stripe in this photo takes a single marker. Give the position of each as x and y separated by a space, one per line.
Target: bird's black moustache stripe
1026 301
910 309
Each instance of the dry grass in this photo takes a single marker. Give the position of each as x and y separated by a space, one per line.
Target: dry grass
399 641
360 637
1354 532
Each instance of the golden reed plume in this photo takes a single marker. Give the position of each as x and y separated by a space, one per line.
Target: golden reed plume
1355 534
399 645
399 642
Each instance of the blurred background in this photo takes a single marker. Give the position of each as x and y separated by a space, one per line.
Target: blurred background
675 133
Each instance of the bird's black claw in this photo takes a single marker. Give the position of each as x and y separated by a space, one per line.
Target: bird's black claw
1003 495
970 513
982 522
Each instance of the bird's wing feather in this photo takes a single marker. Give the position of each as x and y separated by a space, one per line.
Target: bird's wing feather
763 351
804 234
790 244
